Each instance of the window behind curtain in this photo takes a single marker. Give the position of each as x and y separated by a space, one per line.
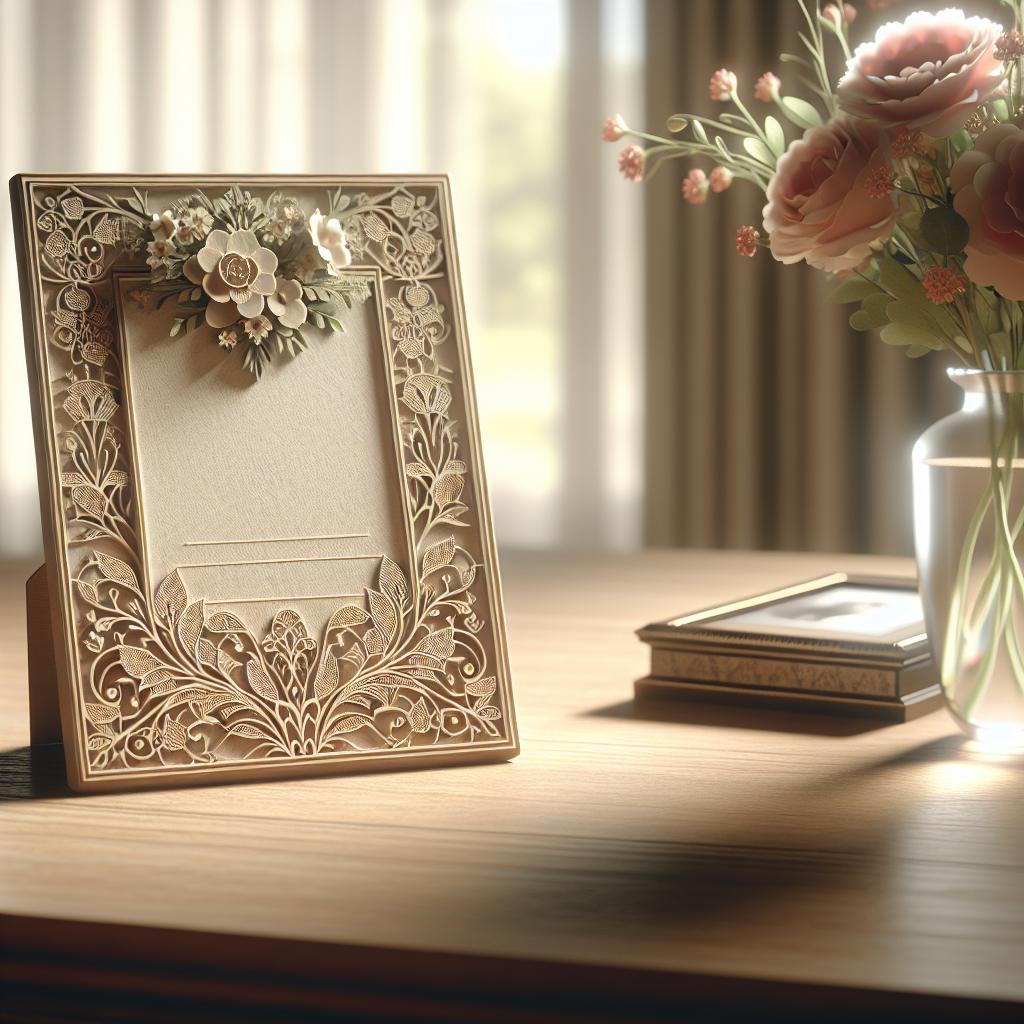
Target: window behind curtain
478 88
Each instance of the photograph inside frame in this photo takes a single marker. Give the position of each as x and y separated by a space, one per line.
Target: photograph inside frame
269 548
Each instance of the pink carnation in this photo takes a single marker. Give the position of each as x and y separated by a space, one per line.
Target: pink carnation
631 163
819 208
767 87
613 128
988 187
695 187
722 85
932 73
721 179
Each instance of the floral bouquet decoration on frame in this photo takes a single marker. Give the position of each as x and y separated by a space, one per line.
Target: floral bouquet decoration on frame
906 183
253 272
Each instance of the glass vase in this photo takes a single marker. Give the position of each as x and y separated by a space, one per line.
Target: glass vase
968 518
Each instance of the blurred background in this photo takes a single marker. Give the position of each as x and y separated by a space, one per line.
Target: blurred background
639 383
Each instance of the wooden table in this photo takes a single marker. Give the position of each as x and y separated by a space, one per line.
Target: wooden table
698 863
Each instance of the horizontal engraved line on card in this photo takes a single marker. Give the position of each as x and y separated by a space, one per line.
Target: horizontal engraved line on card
307 597
280 561
273 540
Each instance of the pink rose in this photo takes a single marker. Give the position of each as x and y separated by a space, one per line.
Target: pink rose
819 209
988 187
931 73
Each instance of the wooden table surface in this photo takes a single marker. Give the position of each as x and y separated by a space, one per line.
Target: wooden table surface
691 863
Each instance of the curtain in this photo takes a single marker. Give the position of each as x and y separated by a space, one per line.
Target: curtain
770 423
506 95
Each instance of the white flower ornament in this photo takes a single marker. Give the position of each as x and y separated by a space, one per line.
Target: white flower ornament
329 238
239 272
286 303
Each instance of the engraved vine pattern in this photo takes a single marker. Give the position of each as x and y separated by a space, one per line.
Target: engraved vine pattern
168 683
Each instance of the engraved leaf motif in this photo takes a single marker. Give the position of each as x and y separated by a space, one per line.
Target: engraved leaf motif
419 716
115 569
98 714
225 622
383 614
260 682
373 641
99 742
137 661
226 663
171 597
482 687
403 206
347 724
189 693
440 644
326 675
249 731
375 228
190 625
448 488
166 686
348 615
207 652
175 736
392 581
355 653
468 576
491 713
89 499
88 591
71 479
157 678
416 469
215 700
438 554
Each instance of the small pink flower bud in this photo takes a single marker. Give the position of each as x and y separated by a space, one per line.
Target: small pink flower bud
722 85
767 87
695 187
613 128
631 163
837 15
746 241
721 179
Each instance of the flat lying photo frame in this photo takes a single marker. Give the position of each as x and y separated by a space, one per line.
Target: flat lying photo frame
268 541
840 644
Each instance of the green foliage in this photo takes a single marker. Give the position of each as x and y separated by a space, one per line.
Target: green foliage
759 151
776 137
800 112
961 141
900 312
918 340
872 312
676 123
853 289
945 230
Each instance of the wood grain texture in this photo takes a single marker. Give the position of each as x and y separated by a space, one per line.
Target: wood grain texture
691 842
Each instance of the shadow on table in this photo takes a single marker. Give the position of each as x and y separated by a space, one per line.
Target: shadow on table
730 717
34 773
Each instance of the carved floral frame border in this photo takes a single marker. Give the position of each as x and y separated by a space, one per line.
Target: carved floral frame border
154 689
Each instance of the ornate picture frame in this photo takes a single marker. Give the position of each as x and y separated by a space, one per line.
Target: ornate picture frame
208 356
